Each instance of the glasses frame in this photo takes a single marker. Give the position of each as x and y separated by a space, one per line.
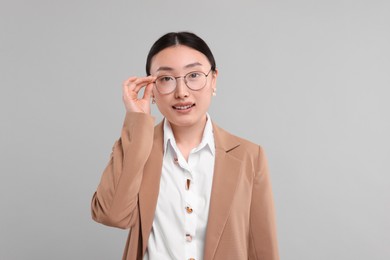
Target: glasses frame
185 81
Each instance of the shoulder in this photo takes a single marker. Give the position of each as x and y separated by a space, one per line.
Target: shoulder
236 145
250 154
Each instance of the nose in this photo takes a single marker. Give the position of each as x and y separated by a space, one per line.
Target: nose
181 89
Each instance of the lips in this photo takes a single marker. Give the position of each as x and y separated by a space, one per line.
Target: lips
183 106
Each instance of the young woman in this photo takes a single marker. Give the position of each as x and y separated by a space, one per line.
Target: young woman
186 188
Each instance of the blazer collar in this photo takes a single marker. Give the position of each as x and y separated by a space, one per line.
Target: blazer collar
207 138
227 171
224 140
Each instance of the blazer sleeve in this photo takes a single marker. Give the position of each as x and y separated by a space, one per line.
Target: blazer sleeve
115 201
263 240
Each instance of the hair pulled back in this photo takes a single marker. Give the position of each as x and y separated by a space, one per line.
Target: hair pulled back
180 38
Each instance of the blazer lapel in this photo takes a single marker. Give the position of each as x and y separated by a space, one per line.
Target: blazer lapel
150 186
227 171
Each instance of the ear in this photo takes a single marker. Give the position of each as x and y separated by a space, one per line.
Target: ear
214 76
215 73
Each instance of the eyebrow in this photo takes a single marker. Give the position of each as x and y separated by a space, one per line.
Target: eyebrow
191 65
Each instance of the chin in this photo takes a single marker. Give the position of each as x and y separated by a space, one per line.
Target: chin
181 122
184 120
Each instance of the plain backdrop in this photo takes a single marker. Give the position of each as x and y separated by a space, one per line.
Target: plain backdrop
308 80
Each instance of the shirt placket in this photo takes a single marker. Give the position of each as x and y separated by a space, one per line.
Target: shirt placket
191 202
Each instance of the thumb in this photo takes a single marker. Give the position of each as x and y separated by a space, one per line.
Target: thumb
148 91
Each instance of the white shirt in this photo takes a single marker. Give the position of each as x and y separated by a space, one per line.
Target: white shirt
180 221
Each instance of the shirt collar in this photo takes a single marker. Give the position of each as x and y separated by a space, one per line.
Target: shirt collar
207 138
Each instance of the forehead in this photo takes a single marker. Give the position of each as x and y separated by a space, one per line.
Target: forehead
178 58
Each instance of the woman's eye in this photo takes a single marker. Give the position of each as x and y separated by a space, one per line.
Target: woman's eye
165 79
193 75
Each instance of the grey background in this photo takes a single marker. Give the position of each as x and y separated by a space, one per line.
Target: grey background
308 80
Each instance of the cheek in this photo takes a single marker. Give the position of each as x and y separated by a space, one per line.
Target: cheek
163 101
205 99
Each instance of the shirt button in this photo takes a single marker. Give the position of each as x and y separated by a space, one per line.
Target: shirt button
188 237
188 183
176 161
189 210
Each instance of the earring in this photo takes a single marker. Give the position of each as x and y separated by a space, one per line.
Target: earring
214 93
153 100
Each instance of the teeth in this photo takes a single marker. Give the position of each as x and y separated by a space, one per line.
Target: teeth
182 107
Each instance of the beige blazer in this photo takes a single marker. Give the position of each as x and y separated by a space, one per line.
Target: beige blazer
241 222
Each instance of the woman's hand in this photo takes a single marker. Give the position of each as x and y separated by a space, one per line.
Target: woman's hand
131 87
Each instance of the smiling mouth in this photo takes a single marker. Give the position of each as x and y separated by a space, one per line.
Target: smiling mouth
183 107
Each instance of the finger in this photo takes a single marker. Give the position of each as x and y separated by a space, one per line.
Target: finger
127 87
148 91
125 93
132 81
142 82
143 79
130 87
128 81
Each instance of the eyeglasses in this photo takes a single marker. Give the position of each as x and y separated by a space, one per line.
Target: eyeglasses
194 80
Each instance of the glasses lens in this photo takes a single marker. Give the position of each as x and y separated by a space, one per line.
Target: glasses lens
195 80
165 84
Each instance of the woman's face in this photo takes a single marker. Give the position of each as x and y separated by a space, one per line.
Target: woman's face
183 107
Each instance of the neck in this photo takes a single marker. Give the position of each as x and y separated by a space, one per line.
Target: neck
188 137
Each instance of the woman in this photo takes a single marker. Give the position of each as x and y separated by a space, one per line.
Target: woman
185 188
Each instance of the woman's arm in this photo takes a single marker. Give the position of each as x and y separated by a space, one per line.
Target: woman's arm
262 234
115 200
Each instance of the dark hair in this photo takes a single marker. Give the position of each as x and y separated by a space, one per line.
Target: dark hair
180 38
